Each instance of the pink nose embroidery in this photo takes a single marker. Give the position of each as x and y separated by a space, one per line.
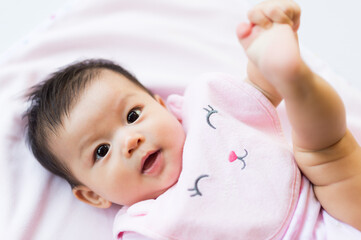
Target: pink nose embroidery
232 156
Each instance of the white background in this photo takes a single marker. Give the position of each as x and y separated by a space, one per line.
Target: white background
329 28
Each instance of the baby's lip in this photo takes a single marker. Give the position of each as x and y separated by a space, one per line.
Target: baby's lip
149 160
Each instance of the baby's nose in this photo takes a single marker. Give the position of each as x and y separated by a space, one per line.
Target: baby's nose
131 143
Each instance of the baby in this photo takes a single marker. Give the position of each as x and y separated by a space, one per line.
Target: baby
114 141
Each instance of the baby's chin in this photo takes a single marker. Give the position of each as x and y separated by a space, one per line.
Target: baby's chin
170 180
174 174
153 195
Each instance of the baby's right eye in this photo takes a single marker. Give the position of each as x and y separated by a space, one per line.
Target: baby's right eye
101 151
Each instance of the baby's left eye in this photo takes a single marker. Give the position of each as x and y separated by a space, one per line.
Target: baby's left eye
133 115
101 151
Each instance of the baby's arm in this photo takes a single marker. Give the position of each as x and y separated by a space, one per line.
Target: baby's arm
324 149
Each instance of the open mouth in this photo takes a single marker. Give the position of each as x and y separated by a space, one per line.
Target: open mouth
149 162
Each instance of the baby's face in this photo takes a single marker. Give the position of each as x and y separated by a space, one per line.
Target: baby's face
120 142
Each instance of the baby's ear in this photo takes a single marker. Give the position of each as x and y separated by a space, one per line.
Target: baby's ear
160 100
86 195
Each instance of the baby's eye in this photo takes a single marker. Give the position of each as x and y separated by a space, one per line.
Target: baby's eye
101 151
133 115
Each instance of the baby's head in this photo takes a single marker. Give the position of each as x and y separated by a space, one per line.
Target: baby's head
93 124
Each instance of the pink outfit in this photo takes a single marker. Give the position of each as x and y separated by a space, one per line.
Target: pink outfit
239 178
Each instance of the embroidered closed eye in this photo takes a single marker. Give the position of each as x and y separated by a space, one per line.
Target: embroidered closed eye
196 189
210 111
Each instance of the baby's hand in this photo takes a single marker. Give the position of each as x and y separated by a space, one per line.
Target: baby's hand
275 11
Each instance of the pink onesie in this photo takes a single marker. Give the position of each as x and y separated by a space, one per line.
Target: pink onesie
239 179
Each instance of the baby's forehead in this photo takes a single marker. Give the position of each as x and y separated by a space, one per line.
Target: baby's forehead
100 78
104 74
107 74
112 74
102 95
115 84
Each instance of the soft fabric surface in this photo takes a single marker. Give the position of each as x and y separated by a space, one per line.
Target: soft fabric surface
165 43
